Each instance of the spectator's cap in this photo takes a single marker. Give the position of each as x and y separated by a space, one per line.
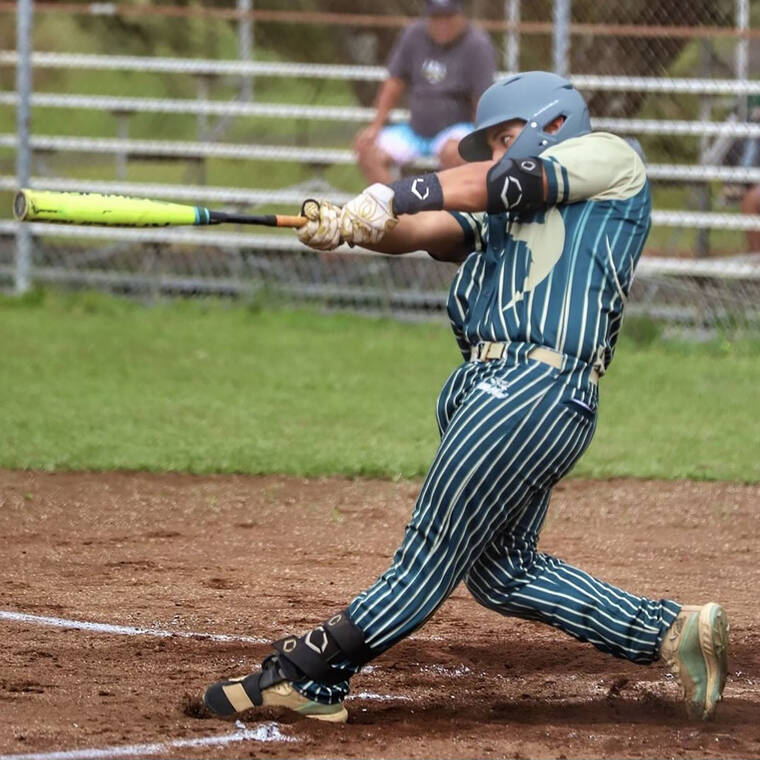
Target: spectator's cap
443 7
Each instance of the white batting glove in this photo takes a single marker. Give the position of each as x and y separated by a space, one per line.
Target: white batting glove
322 231
367 218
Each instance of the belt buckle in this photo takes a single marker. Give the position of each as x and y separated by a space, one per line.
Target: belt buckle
479 352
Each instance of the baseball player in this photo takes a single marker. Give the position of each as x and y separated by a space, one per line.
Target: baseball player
547 221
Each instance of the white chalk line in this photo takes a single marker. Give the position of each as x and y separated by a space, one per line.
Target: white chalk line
378 697
128 630
265 732
123 630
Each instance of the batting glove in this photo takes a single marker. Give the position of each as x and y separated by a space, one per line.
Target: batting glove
322 231
367 218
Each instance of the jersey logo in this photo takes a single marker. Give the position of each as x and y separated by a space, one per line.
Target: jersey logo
434 71
494 386
545 243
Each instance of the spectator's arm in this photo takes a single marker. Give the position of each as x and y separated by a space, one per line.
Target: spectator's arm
389 94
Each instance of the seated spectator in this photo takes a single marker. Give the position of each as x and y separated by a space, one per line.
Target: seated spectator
443 64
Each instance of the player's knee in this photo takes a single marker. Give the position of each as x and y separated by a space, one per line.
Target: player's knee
480 593
492 580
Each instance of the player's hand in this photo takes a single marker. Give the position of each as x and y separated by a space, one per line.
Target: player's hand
366 219
322 231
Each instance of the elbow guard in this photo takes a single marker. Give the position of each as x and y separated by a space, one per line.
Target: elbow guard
515 185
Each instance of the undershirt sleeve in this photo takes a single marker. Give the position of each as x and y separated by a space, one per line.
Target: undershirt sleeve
475 228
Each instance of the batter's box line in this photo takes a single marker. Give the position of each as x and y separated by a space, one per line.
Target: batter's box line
128 630
123 630
265 732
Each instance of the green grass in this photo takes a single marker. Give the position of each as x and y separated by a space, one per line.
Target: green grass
92 382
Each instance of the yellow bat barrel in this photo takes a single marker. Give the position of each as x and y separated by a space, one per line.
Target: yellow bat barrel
102 209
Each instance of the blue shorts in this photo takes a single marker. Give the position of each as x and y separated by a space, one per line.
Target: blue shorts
404 145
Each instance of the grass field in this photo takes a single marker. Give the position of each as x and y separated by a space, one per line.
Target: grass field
93 382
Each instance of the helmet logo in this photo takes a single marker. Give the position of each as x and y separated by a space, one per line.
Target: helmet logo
548 105
416 191
511 193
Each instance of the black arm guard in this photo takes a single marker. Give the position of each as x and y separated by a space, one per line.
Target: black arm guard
515 185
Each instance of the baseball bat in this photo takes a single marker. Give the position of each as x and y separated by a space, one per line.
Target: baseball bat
125 211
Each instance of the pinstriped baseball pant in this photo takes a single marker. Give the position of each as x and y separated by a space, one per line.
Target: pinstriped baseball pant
508 434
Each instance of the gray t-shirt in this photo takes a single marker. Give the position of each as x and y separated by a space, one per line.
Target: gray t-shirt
443 81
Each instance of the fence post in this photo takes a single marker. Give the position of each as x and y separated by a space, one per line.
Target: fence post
561 37
704 201
24 16
741 64
512 36
245 47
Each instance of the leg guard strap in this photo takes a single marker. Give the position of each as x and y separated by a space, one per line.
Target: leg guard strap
315 655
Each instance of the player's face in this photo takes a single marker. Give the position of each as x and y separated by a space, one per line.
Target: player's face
501 136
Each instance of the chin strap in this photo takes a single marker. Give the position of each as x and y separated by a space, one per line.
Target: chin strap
323 654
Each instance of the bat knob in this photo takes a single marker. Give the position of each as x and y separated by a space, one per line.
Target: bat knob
20 206
310 209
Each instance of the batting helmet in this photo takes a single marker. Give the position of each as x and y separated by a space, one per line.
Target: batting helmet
536 97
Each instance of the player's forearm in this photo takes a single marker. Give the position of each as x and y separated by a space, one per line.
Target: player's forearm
465 188
435 232
410 234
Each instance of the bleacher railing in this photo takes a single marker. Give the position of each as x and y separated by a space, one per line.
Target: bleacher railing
242 256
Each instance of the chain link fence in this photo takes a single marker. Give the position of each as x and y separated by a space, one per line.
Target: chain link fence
252 105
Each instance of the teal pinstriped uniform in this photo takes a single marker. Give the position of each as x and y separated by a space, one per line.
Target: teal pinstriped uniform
511 428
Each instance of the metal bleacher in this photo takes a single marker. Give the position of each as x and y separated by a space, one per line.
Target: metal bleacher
201 150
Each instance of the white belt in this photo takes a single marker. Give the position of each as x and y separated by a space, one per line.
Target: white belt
489 351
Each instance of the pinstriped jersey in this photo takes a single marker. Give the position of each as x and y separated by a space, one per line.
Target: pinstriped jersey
558 277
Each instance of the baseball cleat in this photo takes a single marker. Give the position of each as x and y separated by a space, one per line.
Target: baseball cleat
696 649
267 688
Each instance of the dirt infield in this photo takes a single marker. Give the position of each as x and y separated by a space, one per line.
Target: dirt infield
258 557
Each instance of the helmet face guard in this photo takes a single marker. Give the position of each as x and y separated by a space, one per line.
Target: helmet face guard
535 97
